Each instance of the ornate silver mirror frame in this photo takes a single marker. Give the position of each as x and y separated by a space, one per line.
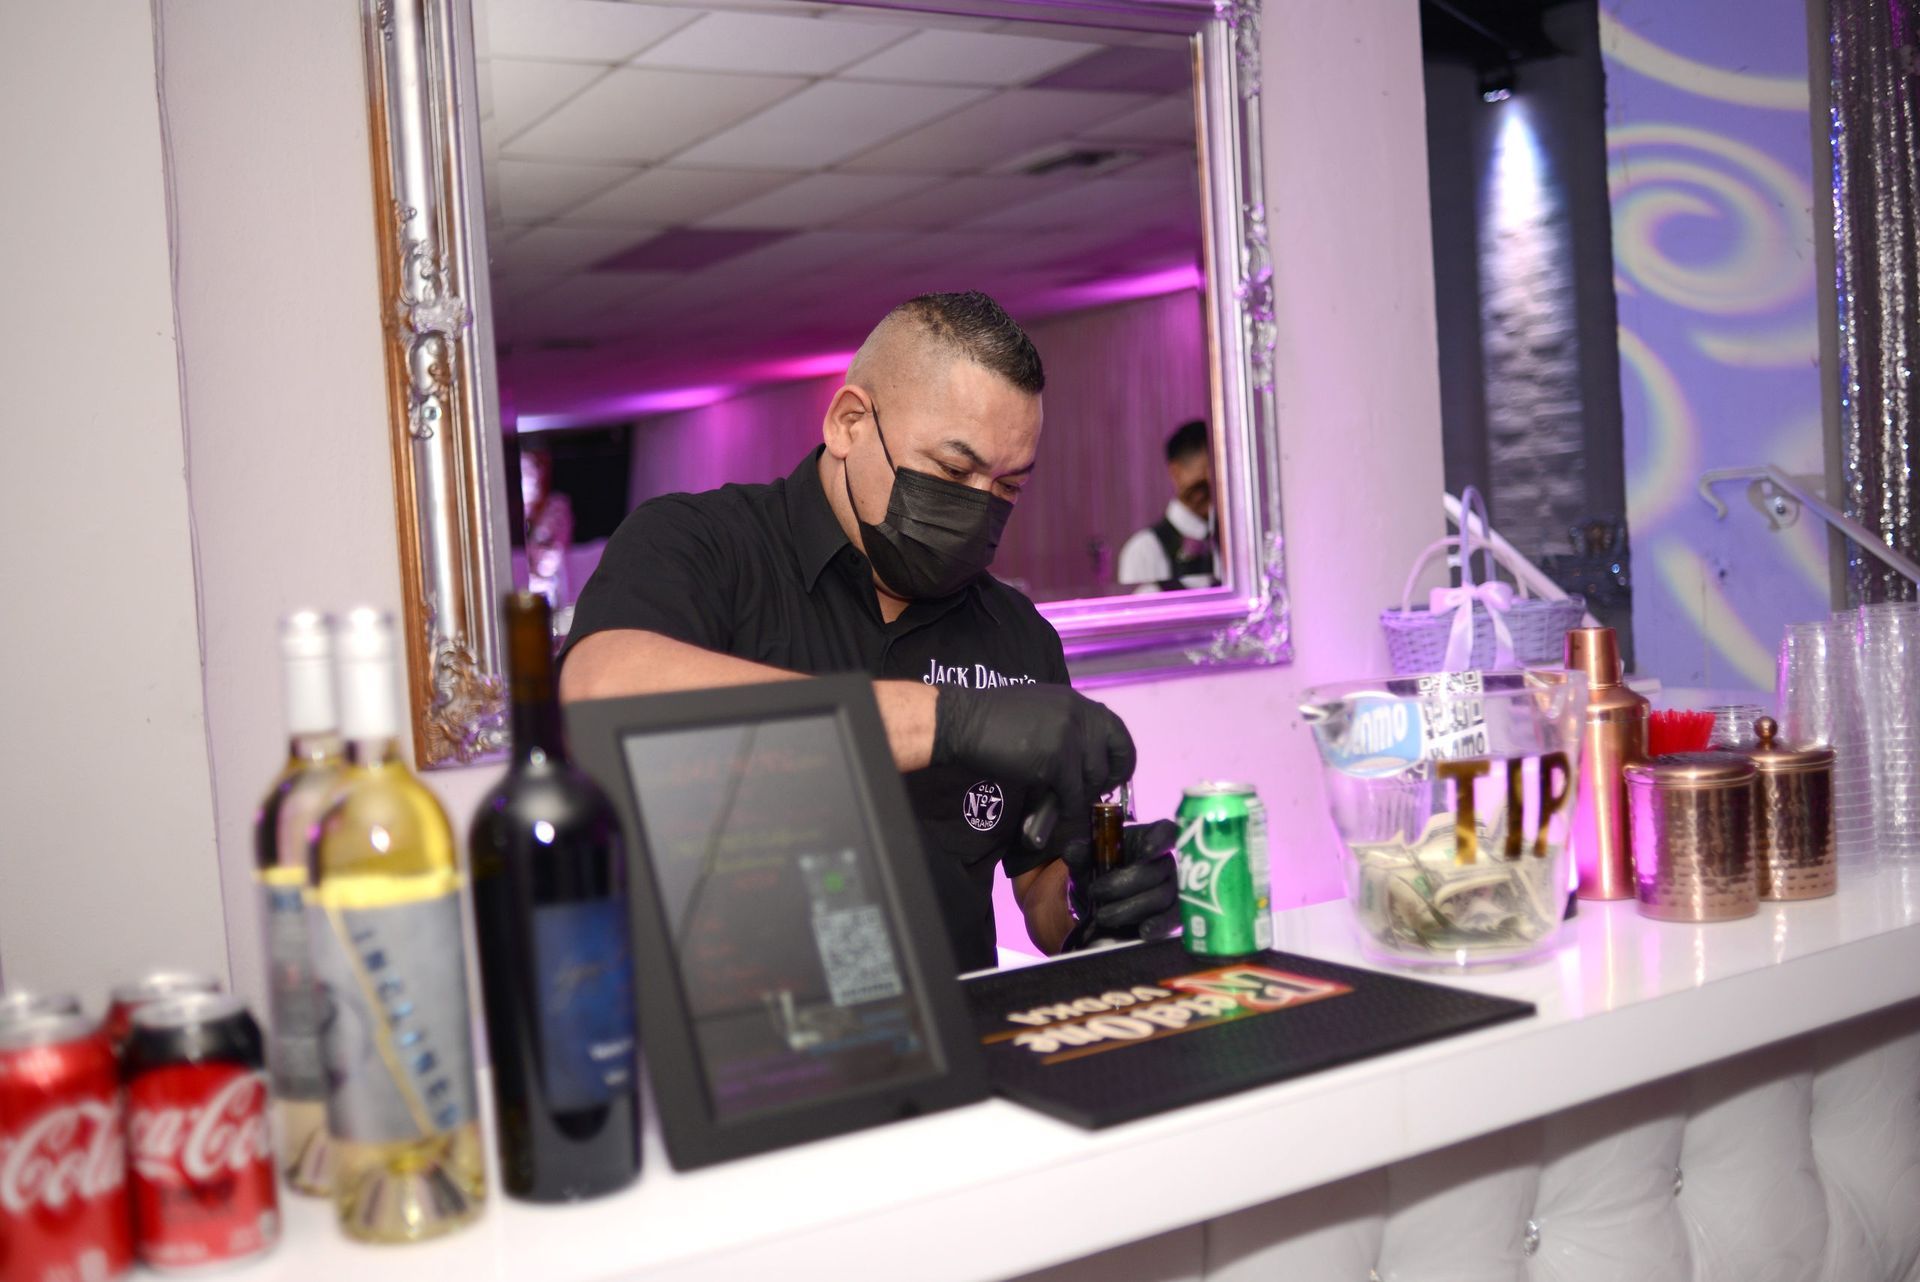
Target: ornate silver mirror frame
451 496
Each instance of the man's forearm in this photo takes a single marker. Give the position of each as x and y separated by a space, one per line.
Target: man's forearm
609 665
1042 896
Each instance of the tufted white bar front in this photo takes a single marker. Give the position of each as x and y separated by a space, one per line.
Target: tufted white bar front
1737 1101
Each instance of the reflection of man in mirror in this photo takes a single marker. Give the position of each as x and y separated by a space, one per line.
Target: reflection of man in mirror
872 557
1177 551
549 530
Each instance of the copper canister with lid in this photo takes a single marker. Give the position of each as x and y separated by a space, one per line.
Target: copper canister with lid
1793 818
1692 824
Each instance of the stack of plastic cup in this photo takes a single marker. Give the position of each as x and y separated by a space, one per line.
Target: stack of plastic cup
1820 704
1889 663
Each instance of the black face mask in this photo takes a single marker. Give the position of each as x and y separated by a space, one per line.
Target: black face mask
939 535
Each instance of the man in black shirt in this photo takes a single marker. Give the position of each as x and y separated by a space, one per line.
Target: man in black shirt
871 557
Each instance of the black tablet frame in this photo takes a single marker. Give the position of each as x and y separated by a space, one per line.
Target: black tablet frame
695 1136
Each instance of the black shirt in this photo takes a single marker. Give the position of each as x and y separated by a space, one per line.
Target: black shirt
764 572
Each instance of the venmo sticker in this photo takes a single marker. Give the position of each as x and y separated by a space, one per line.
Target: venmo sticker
1379 736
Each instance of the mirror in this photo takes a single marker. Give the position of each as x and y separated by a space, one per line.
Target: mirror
676 222
696 214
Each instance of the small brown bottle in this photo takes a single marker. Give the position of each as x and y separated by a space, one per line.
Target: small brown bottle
1614 737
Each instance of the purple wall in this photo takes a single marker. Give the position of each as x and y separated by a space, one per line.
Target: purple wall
1712 165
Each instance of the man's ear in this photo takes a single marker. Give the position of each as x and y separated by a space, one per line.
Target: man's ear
845 412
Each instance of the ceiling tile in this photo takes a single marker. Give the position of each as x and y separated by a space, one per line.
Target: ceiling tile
956 200
969 58
521 92
806 252
816 200
944 251
669 196
558 248
922 19
1128 70
640 114
826 123
1169 120
573 301
763 42
1004 126
1116 199
1104 35
688 250
1179 166
604 31
531 190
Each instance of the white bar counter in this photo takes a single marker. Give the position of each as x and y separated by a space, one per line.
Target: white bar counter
995 1190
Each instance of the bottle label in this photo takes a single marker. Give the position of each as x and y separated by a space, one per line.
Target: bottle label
585 992
399 1062
293 999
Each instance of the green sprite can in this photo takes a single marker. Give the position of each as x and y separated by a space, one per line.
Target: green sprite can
1224 898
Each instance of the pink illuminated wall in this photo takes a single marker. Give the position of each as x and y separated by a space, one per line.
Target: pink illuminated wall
1120 378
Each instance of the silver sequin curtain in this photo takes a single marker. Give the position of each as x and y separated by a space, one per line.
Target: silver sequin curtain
1875 47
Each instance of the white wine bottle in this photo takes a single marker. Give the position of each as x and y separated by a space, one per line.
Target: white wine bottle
384 916
281 833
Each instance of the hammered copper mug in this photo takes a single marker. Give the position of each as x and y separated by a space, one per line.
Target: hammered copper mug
1793 818
1691 816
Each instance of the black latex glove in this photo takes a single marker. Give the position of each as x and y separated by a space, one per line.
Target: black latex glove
1062 746
1138 900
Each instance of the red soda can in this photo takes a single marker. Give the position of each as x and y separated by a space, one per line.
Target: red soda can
63 1168
150 987
21 1003
197 1134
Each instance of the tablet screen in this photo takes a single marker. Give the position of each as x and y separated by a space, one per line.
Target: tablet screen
763 855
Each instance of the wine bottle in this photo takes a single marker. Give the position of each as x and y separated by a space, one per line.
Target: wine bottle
384 917
282 831
550 906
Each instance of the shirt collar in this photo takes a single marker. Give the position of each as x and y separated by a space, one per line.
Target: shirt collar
1185 523
817 536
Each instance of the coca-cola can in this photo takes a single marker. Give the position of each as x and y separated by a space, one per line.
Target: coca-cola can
198 1144
20 1003
63 1169
151 987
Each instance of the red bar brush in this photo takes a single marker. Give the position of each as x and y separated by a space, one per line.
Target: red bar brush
1675 731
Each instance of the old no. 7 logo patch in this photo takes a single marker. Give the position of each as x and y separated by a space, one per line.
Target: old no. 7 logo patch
983 806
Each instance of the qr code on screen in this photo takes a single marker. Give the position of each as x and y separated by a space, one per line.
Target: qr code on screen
856 955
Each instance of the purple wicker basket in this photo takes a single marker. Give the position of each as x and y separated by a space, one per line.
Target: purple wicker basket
1417 638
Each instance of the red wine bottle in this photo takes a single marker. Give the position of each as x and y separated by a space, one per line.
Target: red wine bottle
550 907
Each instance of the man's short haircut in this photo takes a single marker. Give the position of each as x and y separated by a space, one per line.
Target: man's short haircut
1188 439
974 326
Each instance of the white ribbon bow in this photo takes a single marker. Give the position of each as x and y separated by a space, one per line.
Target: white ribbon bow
1498 598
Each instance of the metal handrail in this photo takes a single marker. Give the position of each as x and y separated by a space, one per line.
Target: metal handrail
1521 568
1775 487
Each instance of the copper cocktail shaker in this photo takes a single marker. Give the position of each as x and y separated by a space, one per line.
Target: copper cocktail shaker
1614 737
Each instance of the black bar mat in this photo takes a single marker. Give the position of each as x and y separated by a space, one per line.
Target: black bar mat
1119 1034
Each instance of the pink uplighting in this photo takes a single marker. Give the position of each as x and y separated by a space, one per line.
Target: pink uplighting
636 406
799 367
1120 289
744 377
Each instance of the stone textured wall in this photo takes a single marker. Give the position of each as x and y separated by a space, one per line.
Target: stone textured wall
1529 337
